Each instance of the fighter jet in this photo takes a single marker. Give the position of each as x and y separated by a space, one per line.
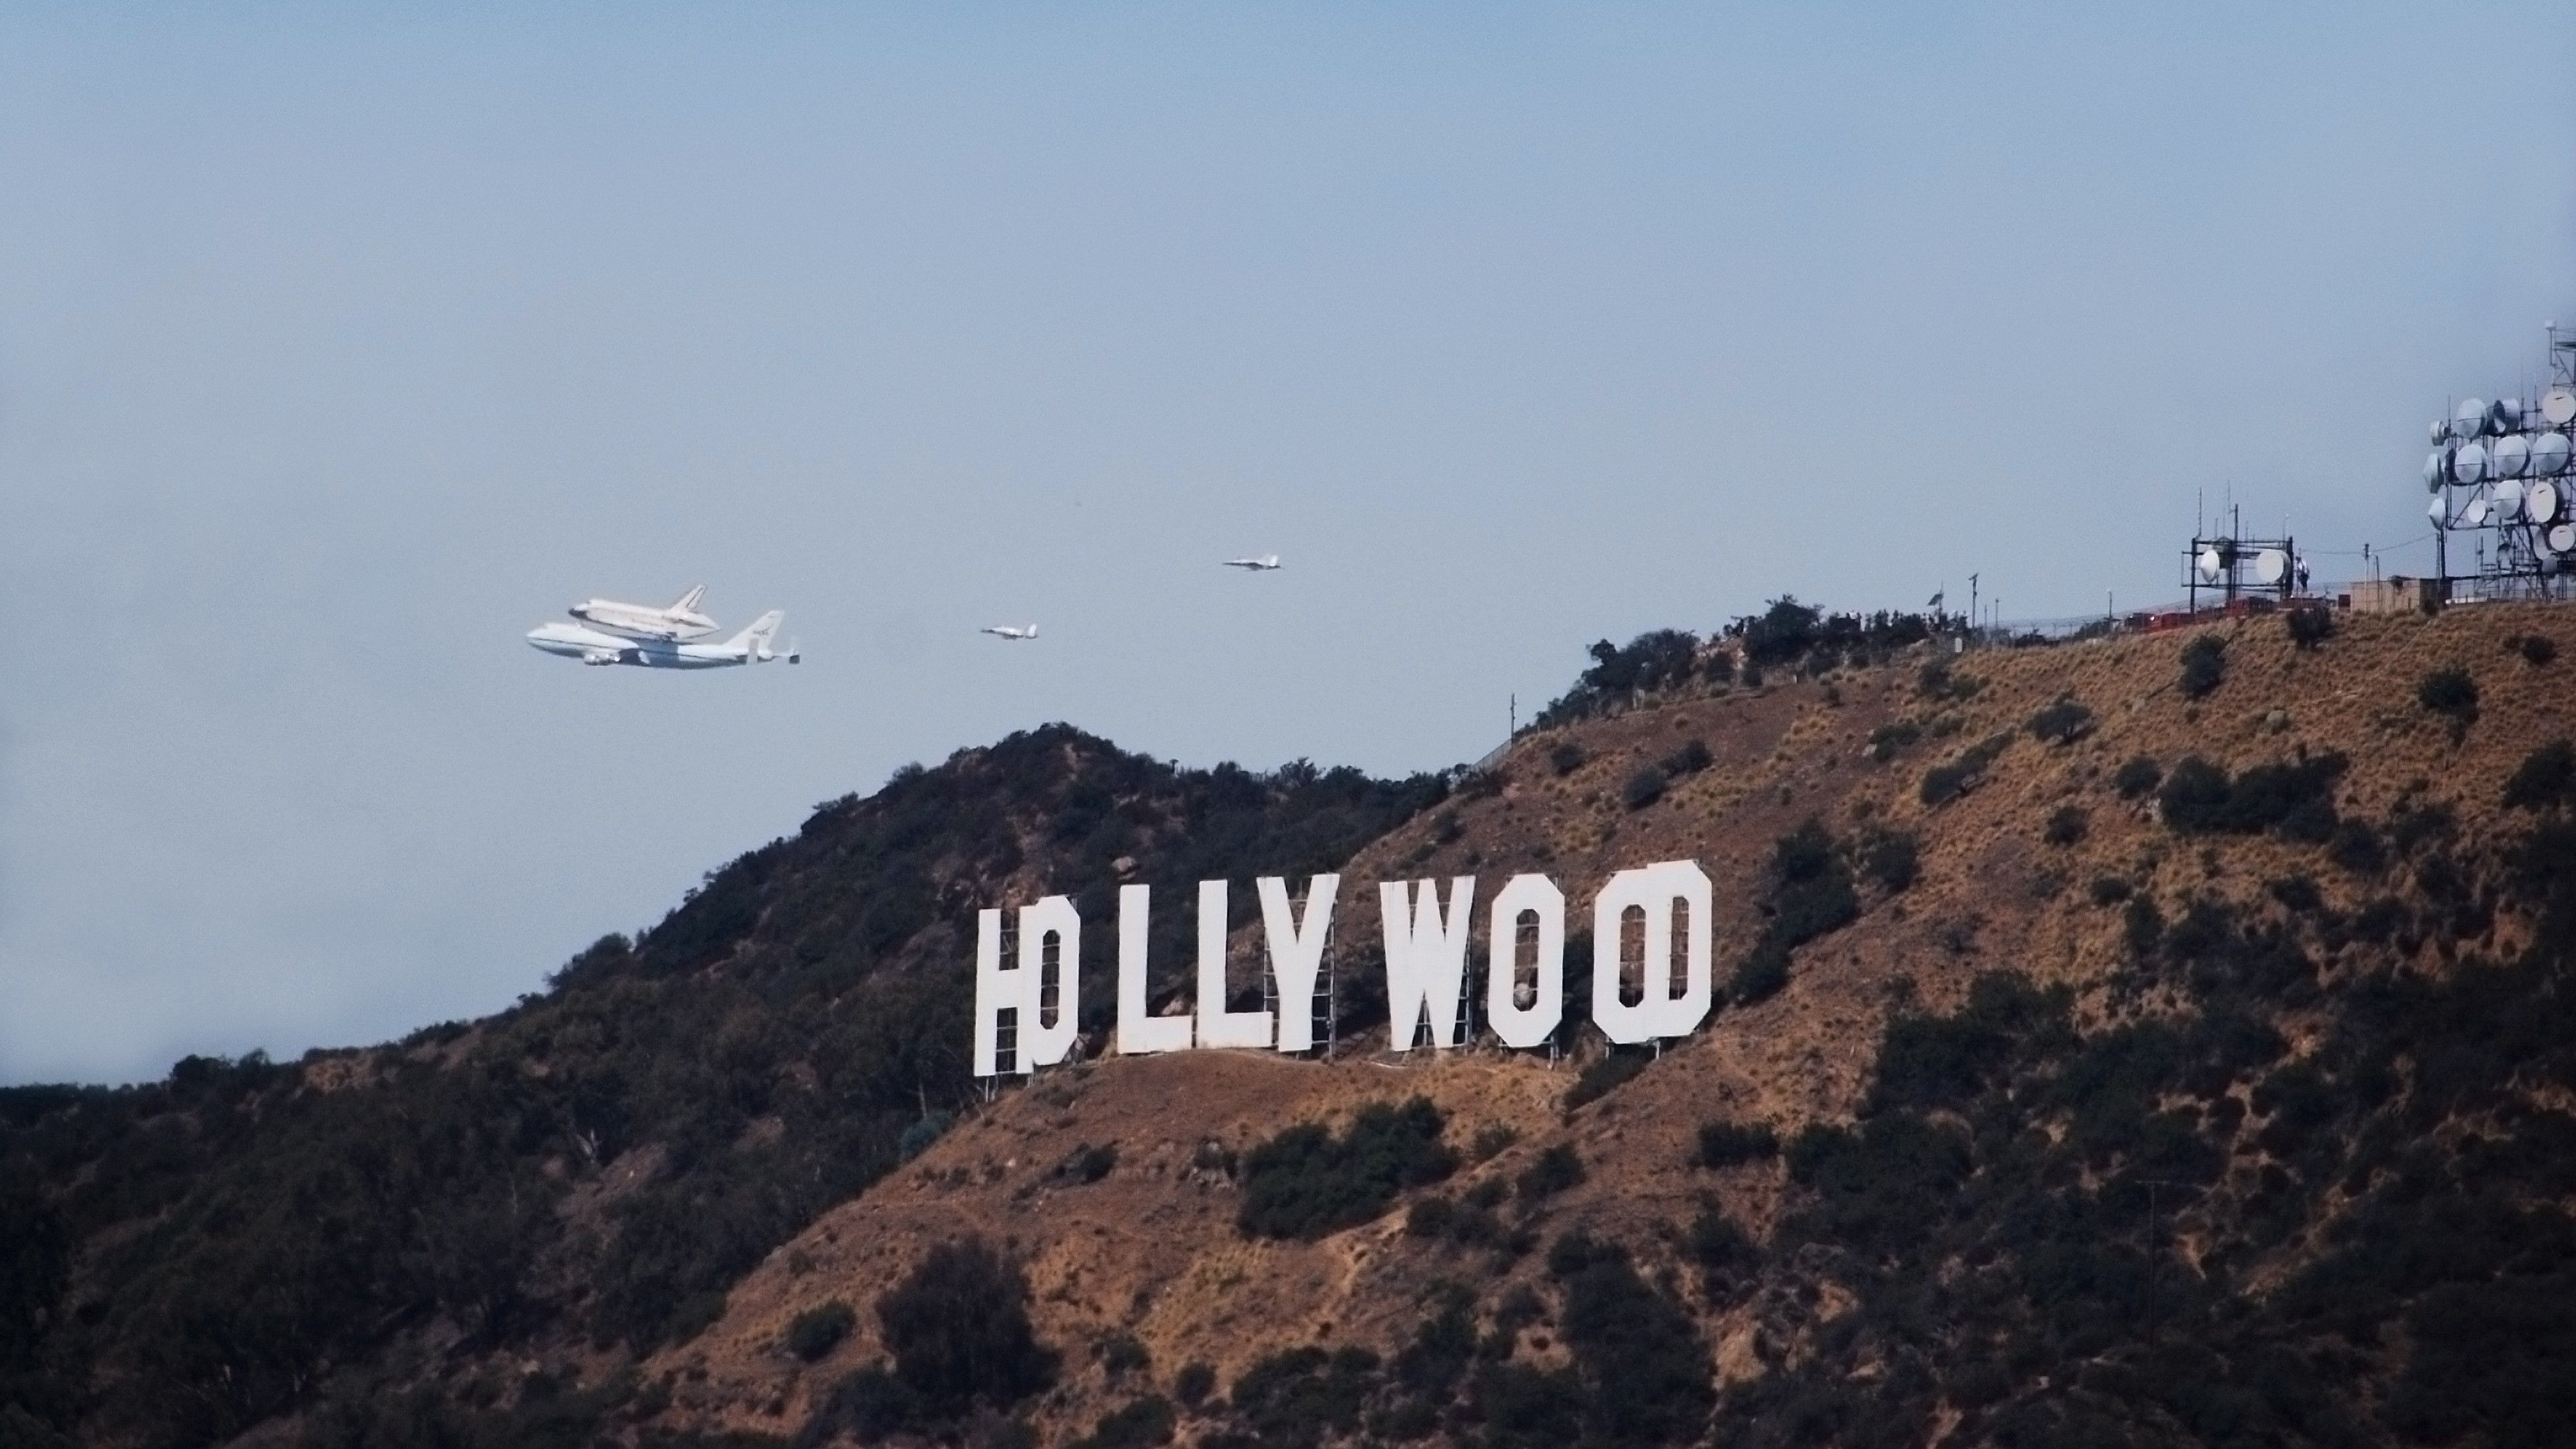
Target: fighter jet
1262 564
1005 631
592 646
641 621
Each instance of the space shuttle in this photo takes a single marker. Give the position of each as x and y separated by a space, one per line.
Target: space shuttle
677 623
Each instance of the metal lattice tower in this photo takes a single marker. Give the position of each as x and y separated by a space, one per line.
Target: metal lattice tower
1322 1029
1325 1029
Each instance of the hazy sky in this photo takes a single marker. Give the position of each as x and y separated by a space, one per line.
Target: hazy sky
340 346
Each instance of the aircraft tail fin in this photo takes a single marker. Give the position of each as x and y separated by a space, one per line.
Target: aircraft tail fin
755 640
688 602
1033 631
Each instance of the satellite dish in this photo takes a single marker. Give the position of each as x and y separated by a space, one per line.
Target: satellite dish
2506 504
2549 454
2504 415
2540 501
2436 512
2212 563
2475 515
2469 463
2469 419
2563 538
2441 430
2437 469
2558 405
2511 455
2271 565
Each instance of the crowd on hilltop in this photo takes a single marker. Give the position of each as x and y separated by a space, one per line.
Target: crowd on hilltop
1799 639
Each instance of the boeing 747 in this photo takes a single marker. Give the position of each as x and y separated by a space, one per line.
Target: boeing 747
594 646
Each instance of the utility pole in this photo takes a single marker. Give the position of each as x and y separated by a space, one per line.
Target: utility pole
1516 715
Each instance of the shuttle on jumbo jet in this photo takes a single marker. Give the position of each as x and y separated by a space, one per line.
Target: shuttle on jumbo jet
595 645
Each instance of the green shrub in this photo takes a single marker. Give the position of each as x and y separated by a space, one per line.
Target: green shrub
1194 1383
1607 1074
1937 681
2536 649
1525 1407
2414 824
2066 825
1643 1365
1492 1140
2138 776
2292 800
1565 757
1760 975
2357 848
958 1327
1947 782
2061 723
1121 1354
2142 927
1147 1422
1881 1188
1298 1397
1725 1144
1720 1248
1887 739
1644 788
813 1334
867 1404
2545 780
1690 759
1893 859
2297 893
1811 894
1430 1217
2109 890
1305 1182
1554 1170
2452 694
2204 666
2308 627
925 1130
1089 1164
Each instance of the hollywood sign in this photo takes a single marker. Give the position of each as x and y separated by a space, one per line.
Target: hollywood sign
1426 966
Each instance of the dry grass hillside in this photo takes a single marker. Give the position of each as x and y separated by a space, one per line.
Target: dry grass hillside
1152 1248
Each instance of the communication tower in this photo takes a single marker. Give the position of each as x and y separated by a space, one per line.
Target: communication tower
2501 474
2236 568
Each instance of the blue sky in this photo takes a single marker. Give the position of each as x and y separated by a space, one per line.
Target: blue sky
339 346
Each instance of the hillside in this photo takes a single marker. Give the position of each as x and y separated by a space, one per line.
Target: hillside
579 1178
2097 1063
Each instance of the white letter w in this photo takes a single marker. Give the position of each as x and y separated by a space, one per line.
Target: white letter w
1426 957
